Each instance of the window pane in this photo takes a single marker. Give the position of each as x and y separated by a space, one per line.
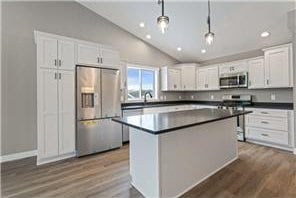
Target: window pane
133 83
148 82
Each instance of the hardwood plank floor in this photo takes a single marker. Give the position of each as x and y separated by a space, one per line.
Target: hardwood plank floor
259 172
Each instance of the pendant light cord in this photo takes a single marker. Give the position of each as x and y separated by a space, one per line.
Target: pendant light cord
209 16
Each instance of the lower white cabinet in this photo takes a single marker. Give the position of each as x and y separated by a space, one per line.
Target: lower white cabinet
55 115
271 127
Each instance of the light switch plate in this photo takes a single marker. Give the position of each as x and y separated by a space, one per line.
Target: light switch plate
212 97
192 97
164 97
180 97
272 96
161 97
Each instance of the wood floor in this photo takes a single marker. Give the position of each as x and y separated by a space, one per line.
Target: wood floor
259 172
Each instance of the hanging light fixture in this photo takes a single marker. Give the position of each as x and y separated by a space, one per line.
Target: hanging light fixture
162 21
210 35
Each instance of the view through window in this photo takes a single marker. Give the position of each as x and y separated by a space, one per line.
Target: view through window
140 81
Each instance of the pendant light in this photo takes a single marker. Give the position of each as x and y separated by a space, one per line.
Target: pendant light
162 21
210 35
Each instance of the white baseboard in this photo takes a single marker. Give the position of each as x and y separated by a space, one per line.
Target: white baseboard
17 156
55 159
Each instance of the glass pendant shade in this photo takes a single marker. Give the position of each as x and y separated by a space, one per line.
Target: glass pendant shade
209 38
163 23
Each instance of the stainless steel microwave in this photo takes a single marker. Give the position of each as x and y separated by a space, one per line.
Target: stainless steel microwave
233 80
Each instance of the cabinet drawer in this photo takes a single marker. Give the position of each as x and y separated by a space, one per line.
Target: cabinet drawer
267 135
275 123
269 112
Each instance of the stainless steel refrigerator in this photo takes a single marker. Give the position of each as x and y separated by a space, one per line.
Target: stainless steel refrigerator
98 101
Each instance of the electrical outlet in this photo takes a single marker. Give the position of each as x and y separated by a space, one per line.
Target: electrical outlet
164 97
192 97
272 97
180 97
161 97
212 97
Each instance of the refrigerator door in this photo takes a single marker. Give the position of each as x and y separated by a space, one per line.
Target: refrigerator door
97 135
110 93
88 93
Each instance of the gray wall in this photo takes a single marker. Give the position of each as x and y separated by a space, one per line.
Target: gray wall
70 19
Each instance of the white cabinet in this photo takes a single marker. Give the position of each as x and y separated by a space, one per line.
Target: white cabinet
109 57
55 114
88 53
233 67
170 79
256 73
66 90
47 116
55 53
270 127
188 77
66 55
207 78
278 66
97 55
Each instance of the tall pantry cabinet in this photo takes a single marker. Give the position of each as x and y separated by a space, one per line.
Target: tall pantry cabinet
55 98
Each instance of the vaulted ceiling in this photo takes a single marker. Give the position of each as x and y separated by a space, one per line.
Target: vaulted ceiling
237 25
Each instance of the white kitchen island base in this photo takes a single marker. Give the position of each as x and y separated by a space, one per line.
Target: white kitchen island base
170 164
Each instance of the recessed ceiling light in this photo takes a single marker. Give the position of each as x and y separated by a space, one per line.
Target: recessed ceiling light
148 36
179 49
264 34
203 51
142 24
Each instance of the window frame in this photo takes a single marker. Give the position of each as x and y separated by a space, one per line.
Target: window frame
156 82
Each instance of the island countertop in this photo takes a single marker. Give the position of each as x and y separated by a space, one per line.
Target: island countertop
165 122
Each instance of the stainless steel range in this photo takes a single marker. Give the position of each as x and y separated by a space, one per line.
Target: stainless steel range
98 101
237 102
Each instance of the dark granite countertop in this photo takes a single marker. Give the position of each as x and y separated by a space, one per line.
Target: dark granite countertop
140 105
166 122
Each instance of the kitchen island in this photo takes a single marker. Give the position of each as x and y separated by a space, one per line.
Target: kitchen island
170 153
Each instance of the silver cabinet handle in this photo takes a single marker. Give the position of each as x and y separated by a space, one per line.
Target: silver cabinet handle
264 134
101 60
55 62
263 112
60 76
60 63
55 75
267 82
264 122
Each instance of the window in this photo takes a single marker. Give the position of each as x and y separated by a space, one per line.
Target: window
139 81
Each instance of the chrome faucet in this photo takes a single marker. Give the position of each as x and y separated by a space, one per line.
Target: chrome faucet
145 96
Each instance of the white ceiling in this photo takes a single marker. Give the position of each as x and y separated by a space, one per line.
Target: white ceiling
237 25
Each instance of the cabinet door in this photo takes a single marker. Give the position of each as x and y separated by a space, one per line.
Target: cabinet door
213 78
48 137
88 54
110 58
66 112
188 77
47 52
66 55
201 79
277 67
174 79
256 73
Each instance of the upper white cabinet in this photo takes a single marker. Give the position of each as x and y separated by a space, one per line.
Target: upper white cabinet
233 67
88 53
97 55
207 78
188 77
256 73
55 53
170 79
109 57
278 66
